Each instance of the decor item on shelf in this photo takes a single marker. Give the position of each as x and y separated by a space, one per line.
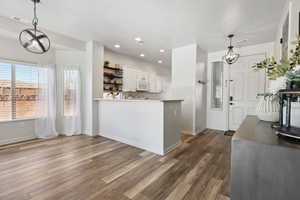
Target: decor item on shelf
268 107
106 63
32 39
295 114
284 126
279 84
231 57
293 79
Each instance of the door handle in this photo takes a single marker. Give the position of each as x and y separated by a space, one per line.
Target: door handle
231 98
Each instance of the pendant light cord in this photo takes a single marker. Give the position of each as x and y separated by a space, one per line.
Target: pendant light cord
35 19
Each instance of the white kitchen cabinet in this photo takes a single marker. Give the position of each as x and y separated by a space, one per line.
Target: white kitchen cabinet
152 83
142 81
155 84
129 79
159 85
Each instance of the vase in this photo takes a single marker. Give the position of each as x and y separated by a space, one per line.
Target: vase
267 109
278 84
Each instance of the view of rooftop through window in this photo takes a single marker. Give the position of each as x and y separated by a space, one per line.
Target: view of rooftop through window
18 91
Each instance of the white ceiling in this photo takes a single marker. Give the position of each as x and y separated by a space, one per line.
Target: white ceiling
162 24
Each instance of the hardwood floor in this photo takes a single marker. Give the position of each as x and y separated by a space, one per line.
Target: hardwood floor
93 168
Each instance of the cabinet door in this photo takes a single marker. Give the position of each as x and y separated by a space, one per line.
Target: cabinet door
152 83
142 81
129 80
159 87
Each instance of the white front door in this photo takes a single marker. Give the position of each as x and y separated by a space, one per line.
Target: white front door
245 84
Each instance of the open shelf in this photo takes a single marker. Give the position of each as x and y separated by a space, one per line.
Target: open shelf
297 91
111 75
111 68
293 132
113 83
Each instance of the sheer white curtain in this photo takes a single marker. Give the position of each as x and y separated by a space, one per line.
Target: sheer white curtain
45 126
71 113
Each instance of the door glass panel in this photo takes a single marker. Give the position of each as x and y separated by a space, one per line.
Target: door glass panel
217 86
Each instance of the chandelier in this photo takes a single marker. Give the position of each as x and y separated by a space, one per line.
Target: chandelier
32 39
231 57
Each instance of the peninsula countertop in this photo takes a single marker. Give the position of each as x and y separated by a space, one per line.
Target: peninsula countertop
134 100
152 125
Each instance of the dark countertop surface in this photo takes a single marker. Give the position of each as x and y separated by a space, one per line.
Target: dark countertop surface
254 130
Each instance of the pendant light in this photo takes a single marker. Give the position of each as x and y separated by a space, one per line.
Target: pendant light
231 57
32 39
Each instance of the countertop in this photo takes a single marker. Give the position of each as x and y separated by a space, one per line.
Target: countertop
263 165
137 100
254 130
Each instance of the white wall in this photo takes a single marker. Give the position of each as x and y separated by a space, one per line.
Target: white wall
292 8
16 131
218 119
201 91
188 67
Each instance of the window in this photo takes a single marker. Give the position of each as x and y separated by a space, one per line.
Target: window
217 85
71 92
19 86
5 91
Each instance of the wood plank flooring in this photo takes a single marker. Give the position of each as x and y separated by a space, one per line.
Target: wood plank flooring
95 168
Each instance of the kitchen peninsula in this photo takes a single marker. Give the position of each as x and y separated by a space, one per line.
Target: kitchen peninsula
152 125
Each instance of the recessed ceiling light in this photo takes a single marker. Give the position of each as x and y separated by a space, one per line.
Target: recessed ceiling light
142 55
160 61
138 39
162 51
117 46
140 42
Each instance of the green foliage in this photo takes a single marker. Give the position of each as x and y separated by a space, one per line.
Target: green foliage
273 97
293 76
275 70
295 58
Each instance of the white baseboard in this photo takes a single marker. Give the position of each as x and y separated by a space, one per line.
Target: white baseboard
132 143
15 140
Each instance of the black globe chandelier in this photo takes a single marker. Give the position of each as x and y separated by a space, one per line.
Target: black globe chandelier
231 57
32 39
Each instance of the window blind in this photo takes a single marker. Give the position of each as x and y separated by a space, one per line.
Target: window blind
26 91
5 91
19 88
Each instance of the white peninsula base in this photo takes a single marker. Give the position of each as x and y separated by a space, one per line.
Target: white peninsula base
152 125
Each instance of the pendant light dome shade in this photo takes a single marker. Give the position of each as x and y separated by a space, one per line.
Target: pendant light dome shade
231 57
32 39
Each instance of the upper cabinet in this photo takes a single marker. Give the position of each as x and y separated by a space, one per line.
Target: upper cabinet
135 80
159 86
152 83
155 84
129 79
142 81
